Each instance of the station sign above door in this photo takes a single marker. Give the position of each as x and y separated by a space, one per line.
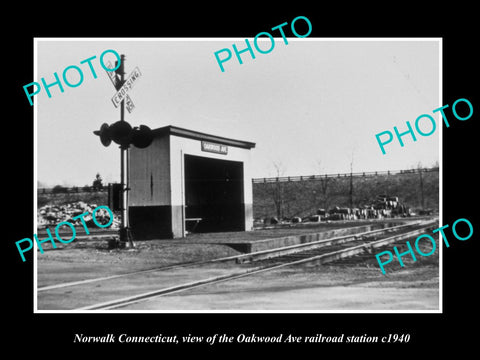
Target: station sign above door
214 148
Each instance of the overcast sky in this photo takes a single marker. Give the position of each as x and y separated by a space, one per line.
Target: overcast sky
312 105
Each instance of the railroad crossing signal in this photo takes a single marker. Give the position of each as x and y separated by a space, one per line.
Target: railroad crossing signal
123 134
113 76
129 104
127 86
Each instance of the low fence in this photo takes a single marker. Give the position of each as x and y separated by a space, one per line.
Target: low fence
71 190
339 175
77 189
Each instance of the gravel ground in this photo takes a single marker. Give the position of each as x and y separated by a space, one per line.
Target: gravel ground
352 284
323 288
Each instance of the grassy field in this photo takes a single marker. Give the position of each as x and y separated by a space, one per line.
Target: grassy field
303 198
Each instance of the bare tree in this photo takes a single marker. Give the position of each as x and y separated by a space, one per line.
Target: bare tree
278 189
324 182
351 181
420 170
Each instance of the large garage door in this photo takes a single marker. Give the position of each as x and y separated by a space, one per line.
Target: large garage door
214 193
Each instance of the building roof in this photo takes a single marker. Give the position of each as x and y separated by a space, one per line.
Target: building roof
191 134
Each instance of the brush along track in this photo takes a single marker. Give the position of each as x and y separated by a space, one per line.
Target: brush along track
319 253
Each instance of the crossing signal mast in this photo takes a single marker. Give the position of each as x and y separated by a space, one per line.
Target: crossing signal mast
122 133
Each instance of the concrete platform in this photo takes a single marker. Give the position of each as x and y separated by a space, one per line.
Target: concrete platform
251 241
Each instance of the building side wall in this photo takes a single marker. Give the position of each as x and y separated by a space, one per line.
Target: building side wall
149 174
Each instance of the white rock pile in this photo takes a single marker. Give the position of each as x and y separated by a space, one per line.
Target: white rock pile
50 215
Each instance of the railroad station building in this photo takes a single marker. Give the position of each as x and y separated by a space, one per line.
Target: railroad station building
187 181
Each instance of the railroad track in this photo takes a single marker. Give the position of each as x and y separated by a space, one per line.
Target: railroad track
316 253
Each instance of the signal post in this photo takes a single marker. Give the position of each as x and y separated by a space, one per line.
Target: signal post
125 235
124 135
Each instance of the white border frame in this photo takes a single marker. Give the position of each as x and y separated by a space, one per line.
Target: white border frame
35 144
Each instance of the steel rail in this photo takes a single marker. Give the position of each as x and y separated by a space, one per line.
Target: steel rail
243 258
311 245
316 259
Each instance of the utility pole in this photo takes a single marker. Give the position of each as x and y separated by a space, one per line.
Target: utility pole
125 236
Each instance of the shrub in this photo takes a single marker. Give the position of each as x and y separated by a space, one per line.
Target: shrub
59 189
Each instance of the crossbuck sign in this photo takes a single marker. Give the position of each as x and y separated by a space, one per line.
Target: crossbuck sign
127 86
